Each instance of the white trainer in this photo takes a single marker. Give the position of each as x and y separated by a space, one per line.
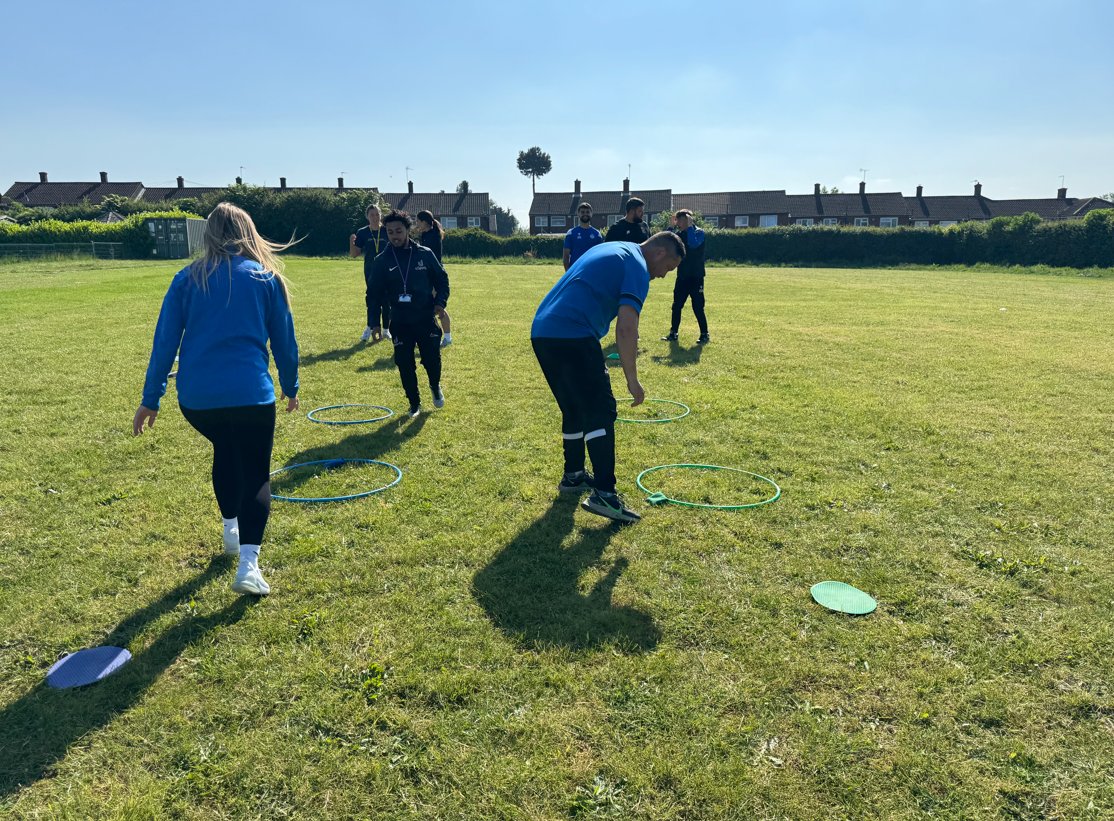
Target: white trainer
366 335
249 580
232 541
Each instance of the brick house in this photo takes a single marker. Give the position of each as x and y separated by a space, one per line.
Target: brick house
555 212
469 209
884 210
46 194
738 209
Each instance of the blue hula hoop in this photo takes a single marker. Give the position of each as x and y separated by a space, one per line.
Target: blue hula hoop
687 410
313 418
332 464
659 498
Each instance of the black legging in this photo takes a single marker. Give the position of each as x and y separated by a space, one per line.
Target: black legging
577 376
242 439
684 288
428 339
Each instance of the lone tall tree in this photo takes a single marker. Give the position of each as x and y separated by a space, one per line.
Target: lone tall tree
534 163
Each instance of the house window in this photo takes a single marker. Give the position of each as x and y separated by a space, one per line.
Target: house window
742 222
945 223
831 220
712 221
862 222
541 222
448 222
473 222
805 221
920 224
556 222
887 222
767 221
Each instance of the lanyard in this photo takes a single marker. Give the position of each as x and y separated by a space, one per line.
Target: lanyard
375 236
398 265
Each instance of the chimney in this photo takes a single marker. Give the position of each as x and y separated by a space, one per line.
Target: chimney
340 183
626 188
576 188
282 183
104 176
239 180
920 191
978 189
816 189
42 176
862 187
410 186
1061 193
181 182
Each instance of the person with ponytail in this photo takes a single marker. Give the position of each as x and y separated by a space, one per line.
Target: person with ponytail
219 315
432 237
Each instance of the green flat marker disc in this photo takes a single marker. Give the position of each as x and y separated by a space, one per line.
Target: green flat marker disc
613 356
657 498
843 598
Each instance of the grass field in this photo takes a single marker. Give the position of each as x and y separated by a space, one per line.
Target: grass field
465 645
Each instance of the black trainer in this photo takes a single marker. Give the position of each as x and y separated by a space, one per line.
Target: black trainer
575 482
703 340
415 410
670 337
610 505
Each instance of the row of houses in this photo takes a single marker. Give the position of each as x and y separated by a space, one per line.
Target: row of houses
555 212
467 209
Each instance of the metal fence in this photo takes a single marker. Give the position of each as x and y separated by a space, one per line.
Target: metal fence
39 250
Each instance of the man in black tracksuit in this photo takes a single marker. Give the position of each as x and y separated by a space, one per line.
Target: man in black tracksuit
408 279
631 228
690 277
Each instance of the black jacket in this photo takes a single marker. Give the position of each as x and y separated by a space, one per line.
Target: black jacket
624 231
413 270
431 239
692 266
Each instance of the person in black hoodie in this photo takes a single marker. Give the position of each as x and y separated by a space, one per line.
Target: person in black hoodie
409 278
690 277
432 235
632 228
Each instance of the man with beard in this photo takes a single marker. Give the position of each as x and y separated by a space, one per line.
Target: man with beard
408 281
631 228
582 237
690 277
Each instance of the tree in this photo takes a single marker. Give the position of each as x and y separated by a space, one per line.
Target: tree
506 223
462 187
825 190
534 163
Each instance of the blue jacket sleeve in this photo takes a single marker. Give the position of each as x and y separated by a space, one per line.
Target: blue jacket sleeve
284 346
168 337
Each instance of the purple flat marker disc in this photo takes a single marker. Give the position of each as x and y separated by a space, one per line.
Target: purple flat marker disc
86 666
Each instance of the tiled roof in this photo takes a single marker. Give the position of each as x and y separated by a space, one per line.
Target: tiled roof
471 204
957 208
603 202
175 193
53 194
818 206
1049 209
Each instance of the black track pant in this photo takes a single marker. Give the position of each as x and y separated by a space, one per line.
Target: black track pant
242 439
577 375
373 309
427 336
684 288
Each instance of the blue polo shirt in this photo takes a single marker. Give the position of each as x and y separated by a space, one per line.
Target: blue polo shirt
579 239
585 301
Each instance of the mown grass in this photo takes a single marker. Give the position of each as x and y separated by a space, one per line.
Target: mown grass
466 645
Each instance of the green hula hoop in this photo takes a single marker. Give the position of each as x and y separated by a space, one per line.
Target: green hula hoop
332 464
686 411
657 498
313 418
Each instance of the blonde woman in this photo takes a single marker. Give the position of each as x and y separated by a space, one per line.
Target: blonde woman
220 312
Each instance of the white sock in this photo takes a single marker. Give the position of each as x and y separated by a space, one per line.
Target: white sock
249 554
231 533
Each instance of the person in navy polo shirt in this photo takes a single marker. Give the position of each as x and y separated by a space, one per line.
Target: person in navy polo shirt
409 278
631 228
608 281
582 237
690 277
371 241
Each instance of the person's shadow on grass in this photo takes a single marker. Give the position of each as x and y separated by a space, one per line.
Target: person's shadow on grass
38 729
530 590
367 444
331 356
679 355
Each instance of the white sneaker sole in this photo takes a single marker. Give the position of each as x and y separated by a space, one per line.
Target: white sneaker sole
251 583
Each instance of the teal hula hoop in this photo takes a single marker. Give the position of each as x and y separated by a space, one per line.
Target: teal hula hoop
686 411
313 418
332 464
657 498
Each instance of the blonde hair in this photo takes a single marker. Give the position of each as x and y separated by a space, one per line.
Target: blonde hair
230 231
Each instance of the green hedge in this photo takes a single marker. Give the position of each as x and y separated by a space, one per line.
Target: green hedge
131 232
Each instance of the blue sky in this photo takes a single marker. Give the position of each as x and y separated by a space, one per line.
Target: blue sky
712 96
